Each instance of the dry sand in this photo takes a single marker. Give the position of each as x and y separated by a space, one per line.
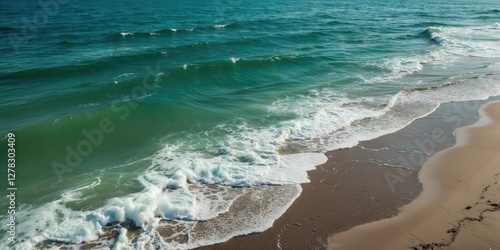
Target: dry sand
459 207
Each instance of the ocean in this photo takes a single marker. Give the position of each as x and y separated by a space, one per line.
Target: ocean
177 124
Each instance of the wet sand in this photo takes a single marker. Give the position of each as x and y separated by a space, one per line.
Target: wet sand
459 207
366 183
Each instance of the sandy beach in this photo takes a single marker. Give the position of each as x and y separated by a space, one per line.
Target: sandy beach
459 205
374 180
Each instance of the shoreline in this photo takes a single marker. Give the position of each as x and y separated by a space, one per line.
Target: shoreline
361 185
460 201
369 182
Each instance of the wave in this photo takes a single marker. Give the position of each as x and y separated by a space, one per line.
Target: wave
220 26
167 31
172 31
492 11
177 194
46 73
65 43
427 24
454 45
251 24
69 43
89 67
108 62
125 35
113 62
162 32
226 43
367 120
241 64
334 23
6 29
433 34
312 34
92 95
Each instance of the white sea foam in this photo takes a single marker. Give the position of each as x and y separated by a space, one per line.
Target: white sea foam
127 33
122 242
278 58
220 26
292 168
405 107
125 75
234 60
174 190
456 44
93 104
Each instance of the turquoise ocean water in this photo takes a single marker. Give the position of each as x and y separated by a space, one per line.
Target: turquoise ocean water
153 117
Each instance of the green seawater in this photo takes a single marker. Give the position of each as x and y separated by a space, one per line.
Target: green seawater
113 101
